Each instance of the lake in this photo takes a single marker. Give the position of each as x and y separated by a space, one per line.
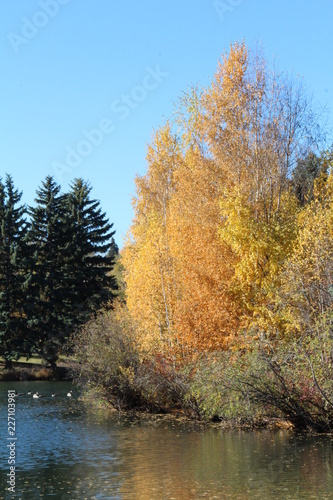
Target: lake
67 450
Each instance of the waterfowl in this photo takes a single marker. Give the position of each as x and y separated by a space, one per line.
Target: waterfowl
36 395
69 394
54 394
29 392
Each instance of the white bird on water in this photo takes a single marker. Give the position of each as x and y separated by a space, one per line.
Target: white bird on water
36 395
69 394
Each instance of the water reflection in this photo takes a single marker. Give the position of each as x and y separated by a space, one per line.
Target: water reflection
67 451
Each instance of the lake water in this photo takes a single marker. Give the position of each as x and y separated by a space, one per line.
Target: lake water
65 450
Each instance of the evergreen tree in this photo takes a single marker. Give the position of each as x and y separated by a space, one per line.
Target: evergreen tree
47 237
303 177
13 255
70 237
92 252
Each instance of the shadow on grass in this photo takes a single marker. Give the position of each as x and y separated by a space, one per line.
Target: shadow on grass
26 370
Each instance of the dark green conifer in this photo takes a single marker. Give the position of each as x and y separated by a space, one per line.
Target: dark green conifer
14 341
304 175
47 239
91 260
70 237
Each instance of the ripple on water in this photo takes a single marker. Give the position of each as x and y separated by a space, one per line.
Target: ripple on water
66 450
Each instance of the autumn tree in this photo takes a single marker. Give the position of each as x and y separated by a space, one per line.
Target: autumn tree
257 124
176 281
206 313
216 215
151 286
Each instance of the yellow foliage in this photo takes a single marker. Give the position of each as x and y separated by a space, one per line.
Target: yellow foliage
147 259
215 219
261 247
307 281
205 314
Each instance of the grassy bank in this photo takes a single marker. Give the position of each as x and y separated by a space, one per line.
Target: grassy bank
34 369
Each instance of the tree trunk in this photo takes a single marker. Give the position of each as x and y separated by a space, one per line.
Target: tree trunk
8 364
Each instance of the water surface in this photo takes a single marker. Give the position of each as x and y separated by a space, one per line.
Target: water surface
66 450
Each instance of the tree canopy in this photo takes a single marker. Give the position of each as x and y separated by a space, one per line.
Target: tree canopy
54 267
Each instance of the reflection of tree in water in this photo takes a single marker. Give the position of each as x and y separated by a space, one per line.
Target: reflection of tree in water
184 464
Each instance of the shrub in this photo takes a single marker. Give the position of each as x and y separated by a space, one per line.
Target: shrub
293 380
290 380
216 390
107 360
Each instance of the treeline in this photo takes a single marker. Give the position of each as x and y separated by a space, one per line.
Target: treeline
55 263
228 262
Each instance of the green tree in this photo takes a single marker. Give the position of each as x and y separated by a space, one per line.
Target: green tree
303 177
47 237
13 255
91 253
70 237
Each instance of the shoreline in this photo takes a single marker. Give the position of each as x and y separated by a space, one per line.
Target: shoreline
179 415
37 372
255 424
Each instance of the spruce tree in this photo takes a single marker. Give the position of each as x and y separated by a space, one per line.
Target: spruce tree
13 254
70 237
305 173
91 260
47 237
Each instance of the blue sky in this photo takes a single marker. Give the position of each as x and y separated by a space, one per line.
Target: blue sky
84 83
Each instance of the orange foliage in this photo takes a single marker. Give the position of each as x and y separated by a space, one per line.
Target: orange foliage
214 218
206 316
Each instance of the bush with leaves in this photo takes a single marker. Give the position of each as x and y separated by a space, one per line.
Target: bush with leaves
108 362
287 380
215 389
293 380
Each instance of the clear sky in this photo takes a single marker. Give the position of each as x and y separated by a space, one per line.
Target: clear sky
85 82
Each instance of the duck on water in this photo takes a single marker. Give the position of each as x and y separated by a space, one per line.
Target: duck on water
36 395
